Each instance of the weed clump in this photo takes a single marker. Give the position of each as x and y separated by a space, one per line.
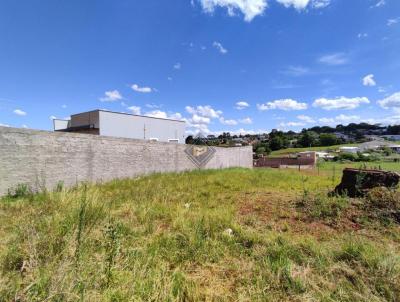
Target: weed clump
323 207
383 204
20 191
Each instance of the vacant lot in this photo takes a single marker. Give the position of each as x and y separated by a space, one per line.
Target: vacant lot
231 235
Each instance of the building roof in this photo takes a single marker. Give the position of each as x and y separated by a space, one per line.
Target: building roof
124 113
374 144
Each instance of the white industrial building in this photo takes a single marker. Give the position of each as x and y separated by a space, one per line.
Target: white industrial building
349 149
117 124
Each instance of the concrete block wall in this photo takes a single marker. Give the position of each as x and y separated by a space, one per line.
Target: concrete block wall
43 159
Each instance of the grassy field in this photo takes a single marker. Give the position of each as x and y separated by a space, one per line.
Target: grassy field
229 235
339 166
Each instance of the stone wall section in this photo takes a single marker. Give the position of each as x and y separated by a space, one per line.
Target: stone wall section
43 159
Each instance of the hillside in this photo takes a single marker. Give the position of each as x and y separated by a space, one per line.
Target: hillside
228 235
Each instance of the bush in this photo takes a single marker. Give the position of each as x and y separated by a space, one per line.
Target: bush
346 157
359 157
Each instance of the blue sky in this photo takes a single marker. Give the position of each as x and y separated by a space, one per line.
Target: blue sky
222 65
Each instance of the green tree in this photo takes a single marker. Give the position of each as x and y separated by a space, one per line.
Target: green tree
308 139
327 139
277 143
189 140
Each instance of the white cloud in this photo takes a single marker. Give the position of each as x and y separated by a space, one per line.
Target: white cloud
242 105
52 117
297 4
369 80
196 119
302 4
340 103
306 119
206 111
19 112
227 122
391 102
63 106
246 120
197 125
344 119
249 8
195 129
362 35
347 118
334 59
284 104
135 110
320 3
253 8
391 120
391 22
201 117
4 125
137 88
164 115
327 121
291 124
177 66
295 71
340 119
380 3
220 48
232 122
176 116
111 96
154 106
24 126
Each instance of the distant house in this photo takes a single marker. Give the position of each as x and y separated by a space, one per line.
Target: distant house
108 123
324 155
395 148
349 149
394 137
375 145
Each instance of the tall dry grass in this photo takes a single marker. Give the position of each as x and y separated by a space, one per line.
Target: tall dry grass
230 235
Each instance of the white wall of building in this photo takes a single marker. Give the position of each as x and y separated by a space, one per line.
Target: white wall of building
140 127
60 124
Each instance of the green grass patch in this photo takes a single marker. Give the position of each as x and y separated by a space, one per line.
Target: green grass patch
223 235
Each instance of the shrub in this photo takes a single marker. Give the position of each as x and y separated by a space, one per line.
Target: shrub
346 157
359 157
